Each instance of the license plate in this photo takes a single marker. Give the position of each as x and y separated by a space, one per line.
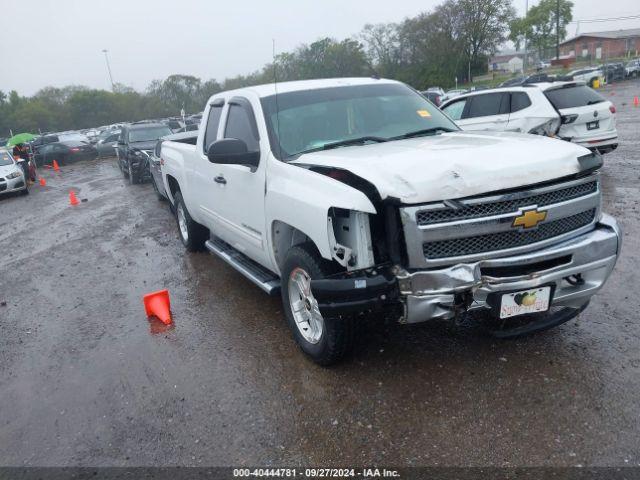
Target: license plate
526 301
593 125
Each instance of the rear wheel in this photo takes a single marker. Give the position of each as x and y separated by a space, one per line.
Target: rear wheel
325 339
192 234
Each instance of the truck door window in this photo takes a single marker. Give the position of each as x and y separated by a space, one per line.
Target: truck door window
240 126
211 132
519 101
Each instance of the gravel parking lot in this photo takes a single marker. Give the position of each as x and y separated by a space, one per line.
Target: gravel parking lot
87 380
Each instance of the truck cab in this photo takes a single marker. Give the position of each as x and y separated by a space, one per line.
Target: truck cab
352 197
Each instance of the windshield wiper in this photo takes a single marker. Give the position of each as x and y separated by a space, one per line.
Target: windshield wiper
353 141
424 131
344 143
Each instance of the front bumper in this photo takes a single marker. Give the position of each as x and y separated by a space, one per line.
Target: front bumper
13 185
442 293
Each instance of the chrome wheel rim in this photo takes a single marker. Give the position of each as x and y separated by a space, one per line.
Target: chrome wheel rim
304 306
182 223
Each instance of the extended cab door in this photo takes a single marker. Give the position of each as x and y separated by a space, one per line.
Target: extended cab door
238 190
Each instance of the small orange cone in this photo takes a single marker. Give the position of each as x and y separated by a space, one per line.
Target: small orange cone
56 167
158 305
43 182
636 102
73 200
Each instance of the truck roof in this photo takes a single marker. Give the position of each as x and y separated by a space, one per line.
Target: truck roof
294 86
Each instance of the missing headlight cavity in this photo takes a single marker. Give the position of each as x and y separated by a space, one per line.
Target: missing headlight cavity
350 238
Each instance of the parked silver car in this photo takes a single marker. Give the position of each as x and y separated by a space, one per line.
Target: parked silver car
11 174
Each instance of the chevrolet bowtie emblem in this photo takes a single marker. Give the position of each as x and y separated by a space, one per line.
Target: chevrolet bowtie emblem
529 219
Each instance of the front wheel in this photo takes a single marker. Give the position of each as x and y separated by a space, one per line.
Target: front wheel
192 234
133 176
326 340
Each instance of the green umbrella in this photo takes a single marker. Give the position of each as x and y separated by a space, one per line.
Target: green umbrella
20 138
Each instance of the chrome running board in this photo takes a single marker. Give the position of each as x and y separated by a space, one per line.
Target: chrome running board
259 275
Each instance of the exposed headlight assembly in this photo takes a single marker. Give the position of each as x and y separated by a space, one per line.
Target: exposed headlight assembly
13 175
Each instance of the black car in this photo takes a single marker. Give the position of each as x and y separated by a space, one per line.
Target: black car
64 152
134 146
613 72
155 164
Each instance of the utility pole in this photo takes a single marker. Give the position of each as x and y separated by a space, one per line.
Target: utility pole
106 57
524 62
557 29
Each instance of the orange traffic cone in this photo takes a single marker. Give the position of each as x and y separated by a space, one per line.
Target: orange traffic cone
73 200
55 166
158 305
636 102
43 182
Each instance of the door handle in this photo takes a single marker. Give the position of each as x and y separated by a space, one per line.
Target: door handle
220 179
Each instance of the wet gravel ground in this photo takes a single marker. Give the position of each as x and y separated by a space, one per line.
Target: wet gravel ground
86 379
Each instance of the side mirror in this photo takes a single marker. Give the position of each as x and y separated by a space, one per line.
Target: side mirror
231 151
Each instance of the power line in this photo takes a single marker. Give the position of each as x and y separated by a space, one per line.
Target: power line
611 19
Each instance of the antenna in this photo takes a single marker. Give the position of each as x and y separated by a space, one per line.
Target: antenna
275 88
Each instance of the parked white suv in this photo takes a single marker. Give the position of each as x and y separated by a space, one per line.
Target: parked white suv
358 196
567 110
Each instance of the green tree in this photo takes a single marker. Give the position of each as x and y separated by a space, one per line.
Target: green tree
540 26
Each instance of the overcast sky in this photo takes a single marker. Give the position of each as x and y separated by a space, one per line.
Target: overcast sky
60 42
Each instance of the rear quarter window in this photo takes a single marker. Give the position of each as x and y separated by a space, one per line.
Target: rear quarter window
519 101
571 97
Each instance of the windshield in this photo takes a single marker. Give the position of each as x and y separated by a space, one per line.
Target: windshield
570 97
5 158
313 119
148 134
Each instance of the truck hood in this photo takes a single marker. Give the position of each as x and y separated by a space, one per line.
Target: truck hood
453 165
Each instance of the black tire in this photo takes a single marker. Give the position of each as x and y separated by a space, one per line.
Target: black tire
133 177
25 191
124 171
338 333
196 234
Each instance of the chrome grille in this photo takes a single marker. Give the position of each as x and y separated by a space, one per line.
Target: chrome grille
478 210
458 247
481 227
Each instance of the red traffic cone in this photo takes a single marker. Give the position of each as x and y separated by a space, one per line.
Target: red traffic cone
157 304
636 102
56 167
73 200
43 182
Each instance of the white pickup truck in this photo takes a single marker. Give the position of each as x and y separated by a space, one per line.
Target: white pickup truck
354 197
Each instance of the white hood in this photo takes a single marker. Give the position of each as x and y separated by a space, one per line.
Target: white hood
453 165
7 169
